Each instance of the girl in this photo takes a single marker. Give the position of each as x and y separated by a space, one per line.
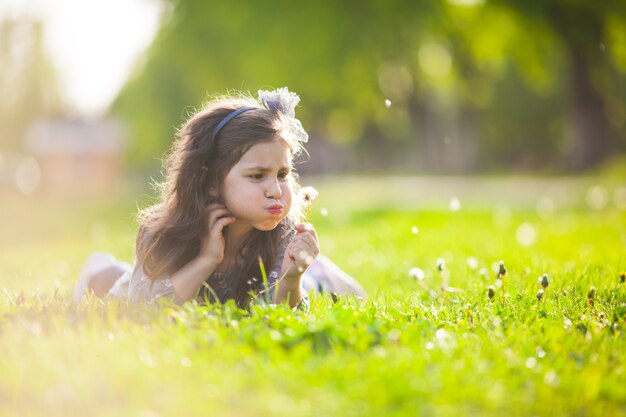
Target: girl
227 211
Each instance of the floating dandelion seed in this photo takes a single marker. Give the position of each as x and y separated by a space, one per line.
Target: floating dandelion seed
543 280
472 262
540 294
526 235
455 204
416 273
324 211
387 103
307 195
415 230
531 362
597 197
491 292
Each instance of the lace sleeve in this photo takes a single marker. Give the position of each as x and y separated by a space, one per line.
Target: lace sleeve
142 289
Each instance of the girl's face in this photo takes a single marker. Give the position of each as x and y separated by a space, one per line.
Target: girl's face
258 189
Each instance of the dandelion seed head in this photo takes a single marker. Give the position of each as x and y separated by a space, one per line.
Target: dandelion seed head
592 293
531 362
416 273
540 295
441 264
543 280
491 292
307 195
501 269
387 103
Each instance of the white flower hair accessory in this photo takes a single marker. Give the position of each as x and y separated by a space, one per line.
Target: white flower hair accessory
284 101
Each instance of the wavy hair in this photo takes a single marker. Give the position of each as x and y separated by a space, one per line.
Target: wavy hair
170 231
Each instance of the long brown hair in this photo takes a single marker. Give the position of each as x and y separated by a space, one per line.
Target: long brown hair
170 232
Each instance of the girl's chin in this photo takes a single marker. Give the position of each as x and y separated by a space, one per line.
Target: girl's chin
266 226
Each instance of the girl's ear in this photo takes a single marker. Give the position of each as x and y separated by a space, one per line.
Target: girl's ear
215 196
214 192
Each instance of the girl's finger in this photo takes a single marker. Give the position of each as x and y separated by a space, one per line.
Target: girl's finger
309 241
220 224
216 214
306 228
302 254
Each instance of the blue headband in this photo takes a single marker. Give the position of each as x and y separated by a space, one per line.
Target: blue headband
228 118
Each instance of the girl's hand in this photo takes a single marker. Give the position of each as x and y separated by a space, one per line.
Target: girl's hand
301 251
212 243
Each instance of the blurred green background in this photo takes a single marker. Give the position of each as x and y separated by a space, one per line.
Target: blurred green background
469 130
404 87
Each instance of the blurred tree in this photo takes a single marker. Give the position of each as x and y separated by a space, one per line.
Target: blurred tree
441 86
592 36
27 79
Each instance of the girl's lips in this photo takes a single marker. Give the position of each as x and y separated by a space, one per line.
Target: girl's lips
275 209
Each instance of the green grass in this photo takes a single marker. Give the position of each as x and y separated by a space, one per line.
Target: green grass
401 352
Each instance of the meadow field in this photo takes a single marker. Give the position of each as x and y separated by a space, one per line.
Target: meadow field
493 344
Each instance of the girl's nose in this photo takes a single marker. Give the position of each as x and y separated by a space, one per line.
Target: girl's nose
274 190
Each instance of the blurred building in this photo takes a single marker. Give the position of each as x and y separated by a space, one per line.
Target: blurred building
78 157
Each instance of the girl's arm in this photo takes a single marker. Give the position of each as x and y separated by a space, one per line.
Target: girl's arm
188 279
301 252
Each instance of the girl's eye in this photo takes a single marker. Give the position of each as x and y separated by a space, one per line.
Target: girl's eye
256 176
283 175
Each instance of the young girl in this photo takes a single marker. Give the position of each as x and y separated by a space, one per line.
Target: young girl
227 214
